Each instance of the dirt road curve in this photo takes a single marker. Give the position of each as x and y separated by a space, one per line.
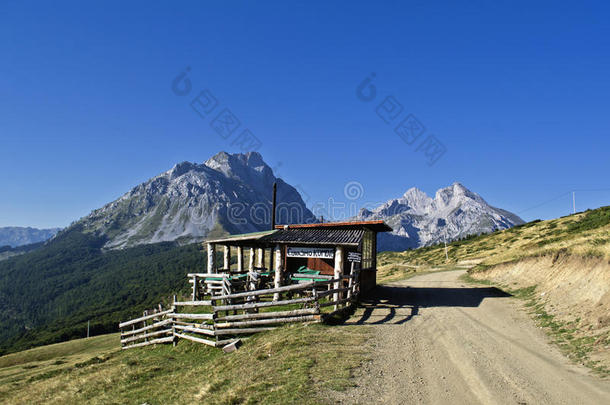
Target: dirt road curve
441 341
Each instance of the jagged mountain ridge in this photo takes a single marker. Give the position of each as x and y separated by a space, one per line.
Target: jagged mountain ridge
15 236
228 194
420 220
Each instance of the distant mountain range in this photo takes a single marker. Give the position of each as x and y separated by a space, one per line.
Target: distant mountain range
228 194
14 236
420 220
231 194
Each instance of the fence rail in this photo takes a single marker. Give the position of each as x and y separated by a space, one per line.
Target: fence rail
221 316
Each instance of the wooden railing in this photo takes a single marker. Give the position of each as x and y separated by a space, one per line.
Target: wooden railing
147 330
220 317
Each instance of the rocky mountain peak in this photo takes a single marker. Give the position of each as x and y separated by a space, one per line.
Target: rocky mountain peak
229 193
414 192
419 220
456 194
241 166
181 168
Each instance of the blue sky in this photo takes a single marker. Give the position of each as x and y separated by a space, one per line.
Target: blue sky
516 93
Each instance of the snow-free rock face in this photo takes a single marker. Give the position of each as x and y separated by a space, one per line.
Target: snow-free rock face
229 193
453 213
14 236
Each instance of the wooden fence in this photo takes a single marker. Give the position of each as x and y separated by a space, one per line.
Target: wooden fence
224 317
148 329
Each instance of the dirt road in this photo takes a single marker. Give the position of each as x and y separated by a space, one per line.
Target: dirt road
441 341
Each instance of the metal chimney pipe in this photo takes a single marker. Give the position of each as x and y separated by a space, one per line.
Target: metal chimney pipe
273 203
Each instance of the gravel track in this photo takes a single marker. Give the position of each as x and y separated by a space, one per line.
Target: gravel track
438 340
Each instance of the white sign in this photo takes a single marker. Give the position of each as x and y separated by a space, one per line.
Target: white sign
354 257
319 253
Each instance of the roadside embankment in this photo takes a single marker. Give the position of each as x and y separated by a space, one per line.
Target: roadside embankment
569 294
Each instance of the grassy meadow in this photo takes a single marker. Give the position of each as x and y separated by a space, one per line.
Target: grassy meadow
293 364
585 234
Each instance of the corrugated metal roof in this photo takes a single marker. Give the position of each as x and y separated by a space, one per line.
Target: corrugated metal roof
315 236
241 237
376 225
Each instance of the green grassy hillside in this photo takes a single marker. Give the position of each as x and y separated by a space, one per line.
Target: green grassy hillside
585 234
48 295
296 364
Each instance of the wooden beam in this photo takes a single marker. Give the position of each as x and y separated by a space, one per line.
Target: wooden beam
145 328
260 258
196 339
240 259
333 291
320 276
193 303
350 284
144 318
251 260
338 270
271 321
194 325
211 258
169 339
205 275
277 281
193 329
242 331
263 315
146 335
195 287
303 286
227 258
237 307
208 317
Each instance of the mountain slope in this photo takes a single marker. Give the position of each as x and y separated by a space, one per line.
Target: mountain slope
15 236
134 252
49 294
454 212
229 193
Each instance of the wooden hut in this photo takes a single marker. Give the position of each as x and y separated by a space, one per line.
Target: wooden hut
304 250
295 273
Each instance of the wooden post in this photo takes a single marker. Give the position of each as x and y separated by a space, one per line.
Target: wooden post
240 259
251 260
174 338
350 284
338 271
211 258
271 260
260 258
278 271
195 281
374 263
227 258
144 324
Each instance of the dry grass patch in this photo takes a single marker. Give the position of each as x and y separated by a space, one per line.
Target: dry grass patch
585 234
288 365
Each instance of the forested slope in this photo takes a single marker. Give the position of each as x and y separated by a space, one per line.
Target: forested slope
48 295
